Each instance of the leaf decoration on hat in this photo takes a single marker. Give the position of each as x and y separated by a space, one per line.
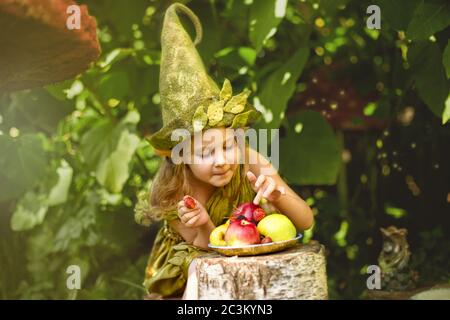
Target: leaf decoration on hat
241 120
200 119
227 91
237 103
215 112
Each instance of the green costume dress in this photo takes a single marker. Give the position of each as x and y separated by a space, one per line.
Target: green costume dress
168 265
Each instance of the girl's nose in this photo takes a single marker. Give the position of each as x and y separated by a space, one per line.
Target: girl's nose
219 159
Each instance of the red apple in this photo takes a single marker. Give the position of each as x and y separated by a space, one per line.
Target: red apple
241 232
247 210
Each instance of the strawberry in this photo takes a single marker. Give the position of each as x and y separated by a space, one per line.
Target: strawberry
189 202
258 214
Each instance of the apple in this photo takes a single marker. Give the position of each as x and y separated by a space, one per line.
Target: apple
241 232
216 238
250 211
278 227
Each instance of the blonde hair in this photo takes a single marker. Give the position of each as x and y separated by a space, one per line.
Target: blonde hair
168 187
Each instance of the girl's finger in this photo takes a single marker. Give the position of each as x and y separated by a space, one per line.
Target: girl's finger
190 215
258 196
260 181
192 220
270 187
251 177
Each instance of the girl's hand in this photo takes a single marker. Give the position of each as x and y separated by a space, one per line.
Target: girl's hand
192 214
265 187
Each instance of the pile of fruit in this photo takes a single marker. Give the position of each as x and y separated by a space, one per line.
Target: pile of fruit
249 224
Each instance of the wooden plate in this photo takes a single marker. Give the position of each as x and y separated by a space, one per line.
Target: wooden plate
256 249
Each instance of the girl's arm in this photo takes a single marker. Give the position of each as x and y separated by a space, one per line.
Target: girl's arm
194 225
268 184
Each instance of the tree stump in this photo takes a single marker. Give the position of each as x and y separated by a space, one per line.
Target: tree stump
298 273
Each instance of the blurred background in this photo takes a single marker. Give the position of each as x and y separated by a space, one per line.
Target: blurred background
363 117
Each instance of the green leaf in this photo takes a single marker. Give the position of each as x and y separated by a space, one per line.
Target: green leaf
113 172
58 194
446 59
22 164
429 18
114 85
215 112
429 75
265 15
311 154
35 110
115 56
398 13
446 113
248 54
30 212
280 85
237 103
108 148
227 91
200 119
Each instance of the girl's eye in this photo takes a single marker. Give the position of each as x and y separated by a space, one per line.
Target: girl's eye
207 153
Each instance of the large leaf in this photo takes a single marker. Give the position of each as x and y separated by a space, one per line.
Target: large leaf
446 113
310 152
30 211
34 110
279 87
429 18
108 148
22 164
446 59
114 85
265 15
113 171
429 75
397 13
59 192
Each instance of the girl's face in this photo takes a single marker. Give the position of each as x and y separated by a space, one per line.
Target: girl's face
216 157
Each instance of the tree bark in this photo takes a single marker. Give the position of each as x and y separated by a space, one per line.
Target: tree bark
298 273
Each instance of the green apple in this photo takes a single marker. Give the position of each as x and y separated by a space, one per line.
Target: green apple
278 227
216 238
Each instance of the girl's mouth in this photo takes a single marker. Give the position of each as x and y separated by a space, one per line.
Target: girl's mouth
220 174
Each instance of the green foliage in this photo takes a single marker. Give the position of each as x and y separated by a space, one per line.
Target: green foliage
110 158
429 18
22 165
316 159
265 15
280 85
429 75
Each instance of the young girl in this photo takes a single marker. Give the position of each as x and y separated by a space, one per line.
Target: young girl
216 177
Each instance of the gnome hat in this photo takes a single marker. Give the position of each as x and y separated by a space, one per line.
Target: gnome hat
190 99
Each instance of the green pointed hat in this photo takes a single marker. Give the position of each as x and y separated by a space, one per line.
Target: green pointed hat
190 99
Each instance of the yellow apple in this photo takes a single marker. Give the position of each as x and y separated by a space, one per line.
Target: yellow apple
278 227
216 238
